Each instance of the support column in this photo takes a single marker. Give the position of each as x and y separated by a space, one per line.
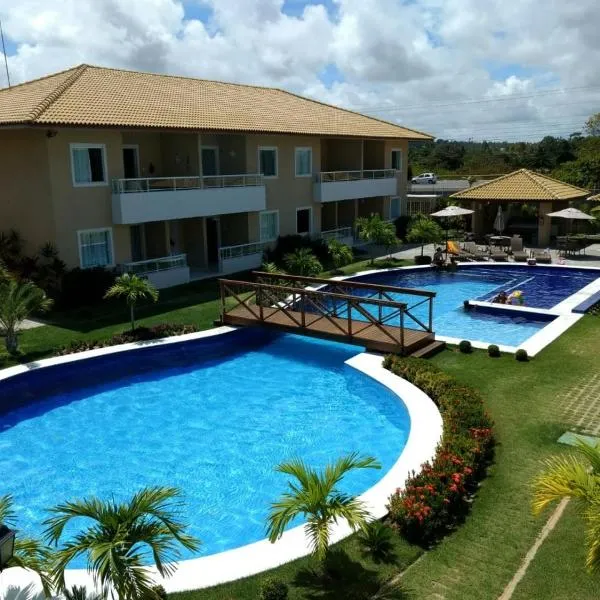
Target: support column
168 238
544 224
337 224
355 208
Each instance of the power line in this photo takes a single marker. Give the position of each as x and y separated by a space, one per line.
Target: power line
4 52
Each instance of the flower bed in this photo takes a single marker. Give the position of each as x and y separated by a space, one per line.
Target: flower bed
436 499
140 334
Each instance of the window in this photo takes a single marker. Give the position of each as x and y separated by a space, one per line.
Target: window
267 162
303 220
269 225
394 207
303 162
88 164
95 248
397 160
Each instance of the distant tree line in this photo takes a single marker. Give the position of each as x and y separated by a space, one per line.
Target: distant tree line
575 160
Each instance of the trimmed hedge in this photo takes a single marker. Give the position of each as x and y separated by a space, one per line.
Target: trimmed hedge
140 334
435 500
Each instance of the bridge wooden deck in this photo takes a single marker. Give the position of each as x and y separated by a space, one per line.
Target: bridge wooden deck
381 325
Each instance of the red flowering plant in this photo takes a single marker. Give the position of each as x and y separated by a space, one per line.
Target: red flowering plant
437 498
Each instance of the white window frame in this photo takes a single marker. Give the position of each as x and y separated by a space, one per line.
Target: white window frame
217 162
135 147
401 158
310 220
268 212
86 146
274 148
303 149
111 242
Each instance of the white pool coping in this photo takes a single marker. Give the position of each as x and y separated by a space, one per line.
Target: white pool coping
565 318
425 433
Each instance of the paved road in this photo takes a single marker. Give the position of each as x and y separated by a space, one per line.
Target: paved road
442 185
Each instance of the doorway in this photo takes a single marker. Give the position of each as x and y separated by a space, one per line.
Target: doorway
131 162
212 241
137 242
210 160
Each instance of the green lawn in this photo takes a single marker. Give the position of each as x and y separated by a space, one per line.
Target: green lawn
480 558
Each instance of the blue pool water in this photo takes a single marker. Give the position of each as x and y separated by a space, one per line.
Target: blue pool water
201 416
541 287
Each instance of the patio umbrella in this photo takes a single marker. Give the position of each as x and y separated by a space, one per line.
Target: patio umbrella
449 212
499 224
572 214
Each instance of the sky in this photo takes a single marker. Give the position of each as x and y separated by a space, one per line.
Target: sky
458 69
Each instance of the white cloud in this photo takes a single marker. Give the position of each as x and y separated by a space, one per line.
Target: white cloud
421 63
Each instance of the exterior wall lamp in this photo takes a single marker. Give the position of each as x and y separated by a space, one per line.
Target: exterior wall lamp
7 545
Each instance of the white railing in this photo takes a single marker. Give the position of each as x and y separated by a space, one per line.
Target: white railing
342 233
330 176
162 184
227 252
154 265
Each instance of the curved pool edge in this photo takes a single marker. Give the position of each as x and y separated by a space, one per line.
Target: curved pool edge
565 317
425 432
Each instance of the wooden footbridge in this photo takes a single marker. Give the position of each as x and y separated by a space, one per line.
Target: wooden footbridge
365 314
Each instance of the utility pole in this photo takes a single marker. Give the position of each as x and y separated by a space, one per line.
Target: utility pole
4 52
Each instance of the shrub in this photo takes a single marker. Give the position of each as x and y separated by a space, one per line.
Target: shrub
422 260
288 244
303 262
274 589
159 592
376 539
436 499
82 287
493 351
465 347
521 355
140 334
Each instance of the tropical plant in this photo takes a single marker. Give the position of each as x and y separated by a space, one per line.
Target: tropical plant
303 262
424 230
133 289
315 495
120 539
270 267
376 539
80 593
18 300
577 476
273 589
29 553
375 230
341 254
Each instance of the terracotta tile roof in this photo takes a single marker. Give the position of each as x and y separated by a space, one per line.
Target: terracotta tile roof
595 198
98 96
522 186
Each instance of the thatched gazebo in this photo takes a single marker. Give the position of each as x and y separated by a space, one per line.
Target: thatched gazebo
522 187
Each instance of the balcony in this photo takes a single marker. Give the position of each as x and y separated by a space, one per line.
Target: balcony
162 272
332 186
142 200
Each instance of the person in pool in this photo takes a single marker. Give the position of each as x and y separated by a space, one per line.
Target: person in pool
501 298
438 258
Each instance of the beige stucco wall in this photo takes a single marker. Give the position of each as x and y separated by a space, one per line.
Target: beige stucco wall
180 155
149 149
374 154
402 178
193 241
341 154
85 207
25 200
234 229
232 152
286 192
347 210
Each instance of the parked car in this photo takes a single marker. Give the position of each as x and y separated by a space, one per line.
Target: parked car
425 178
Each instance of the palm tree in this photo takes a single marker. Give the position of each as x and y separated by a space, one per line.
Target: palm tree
302 261
18 300
340 253
424 230
120 539
29 553
133 289
315 496
574 476
375 230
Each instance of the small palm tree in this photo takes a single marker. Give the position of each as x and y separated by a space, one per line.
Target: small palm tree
18 300
28 553
120 540
303 262
133 289
574 476
341 254
375 230
424 230
315 496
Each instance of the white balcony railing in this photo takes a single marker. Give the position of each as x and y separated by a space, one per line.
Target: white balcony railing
228 252
330 176
162 184
341 234
154 265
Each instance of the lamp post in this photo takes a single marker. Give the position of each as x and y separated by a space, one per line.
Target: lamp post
7 545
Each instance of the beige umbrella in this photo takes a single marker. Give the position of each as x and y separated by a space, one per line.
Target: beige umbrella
447 213
572 214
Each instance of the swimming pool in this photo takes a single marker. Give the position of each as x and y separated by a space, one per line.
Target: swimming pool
542 287
213 417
